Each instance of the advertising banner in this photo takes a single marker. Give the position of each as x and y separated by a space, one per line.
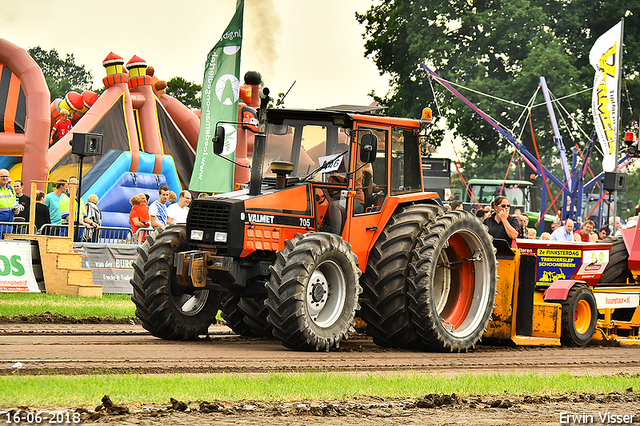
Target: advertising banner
16 270
112 265
606 58
220 94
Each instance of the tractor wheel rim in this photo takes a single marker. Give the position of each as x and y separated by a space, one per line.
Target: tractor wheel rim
441 283
191 304
325 293
467 297
582 317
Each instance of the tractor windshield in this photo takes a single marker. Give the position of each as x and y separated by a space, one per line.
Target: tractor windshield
308 145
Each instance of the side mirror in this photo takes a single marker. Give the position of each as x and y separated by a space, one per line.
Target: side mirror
368 148
218 140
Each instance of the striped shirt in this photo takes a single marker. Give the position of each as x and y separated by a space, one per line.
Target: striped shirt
158 210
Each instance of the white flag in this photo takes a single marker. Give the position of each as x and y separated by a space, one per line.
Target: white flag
606 58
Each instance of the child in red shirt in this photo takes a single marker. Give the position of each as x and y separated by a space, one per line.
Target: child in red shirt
62 126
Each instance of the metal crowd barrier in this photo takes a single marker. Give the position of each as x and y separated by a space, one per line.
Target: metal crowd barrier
141 235
105 234
13 228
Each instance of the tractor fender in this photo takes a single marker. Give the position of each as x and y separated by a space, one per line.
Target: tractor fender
559 289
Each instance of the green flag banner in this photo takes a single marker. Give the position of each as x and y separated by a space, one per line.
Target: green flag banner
220 92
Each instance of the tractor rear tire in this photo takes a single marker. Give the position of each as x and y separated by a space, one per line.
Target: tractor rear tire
384 304
313 292
165 309
452 282
579 316
617 271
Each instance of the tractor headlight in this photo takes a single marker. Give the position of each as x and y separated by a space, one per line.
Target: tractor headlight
197 234
220 237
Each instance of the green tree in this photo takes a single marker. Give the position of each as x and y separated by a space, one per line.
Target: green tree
62 75
186 92
501 48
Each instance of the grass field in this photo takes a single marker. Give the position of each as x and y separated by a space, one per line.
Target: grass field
51 390
116 305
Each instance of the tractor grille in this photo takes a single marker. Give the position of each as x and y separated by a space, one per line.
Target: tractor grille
210 216
222 215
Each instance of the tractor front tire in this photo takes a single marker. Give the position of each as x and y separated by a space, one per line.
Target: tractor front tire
452 282
166 309
579 316
313 292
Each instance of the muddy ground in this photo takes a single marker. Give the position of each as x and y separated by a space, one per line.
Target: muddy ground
49 344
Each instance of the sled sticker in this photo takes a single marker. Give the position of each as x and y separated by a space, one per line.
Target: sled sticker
556 264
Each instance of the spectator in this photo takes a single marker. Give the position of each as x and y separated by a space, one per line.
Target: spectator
618 227
585 234
545 236
523 221
93 220
631 223
456 205
139 215
172 198
7 200
564 233
603 232
203 194
555 225
158 211
42 212
481 214
24 201
178 211
501 225
52 201
65 201
531 233
62 127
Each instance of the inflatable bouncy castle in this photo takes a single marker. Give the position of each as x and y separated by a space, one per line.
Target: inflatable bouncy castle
149 138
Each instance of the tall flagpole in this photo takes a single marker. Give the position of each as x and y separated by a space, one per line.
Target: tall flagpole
619 126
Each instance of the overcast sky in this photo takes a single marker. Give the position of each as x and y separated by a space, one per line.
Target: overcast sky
318 44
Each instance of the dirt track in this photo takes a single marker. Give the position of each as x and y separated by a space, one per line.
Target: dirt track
82 348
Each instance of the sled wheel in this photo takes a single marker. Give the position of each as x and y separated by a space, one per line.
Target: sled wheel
579 316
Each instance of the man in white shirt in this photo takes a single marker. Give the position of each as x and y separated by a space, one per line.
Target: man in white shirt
178 211
564 233
157 210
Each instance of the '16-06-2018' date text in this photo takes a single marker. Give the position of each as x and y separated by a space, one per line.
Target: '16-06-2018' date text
23 417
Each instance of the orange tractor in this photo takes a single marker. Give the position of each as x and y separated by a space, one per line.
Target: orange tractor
335 222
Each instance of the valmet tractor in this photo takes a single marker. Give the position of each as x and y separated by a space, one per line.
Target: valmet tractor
335 222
